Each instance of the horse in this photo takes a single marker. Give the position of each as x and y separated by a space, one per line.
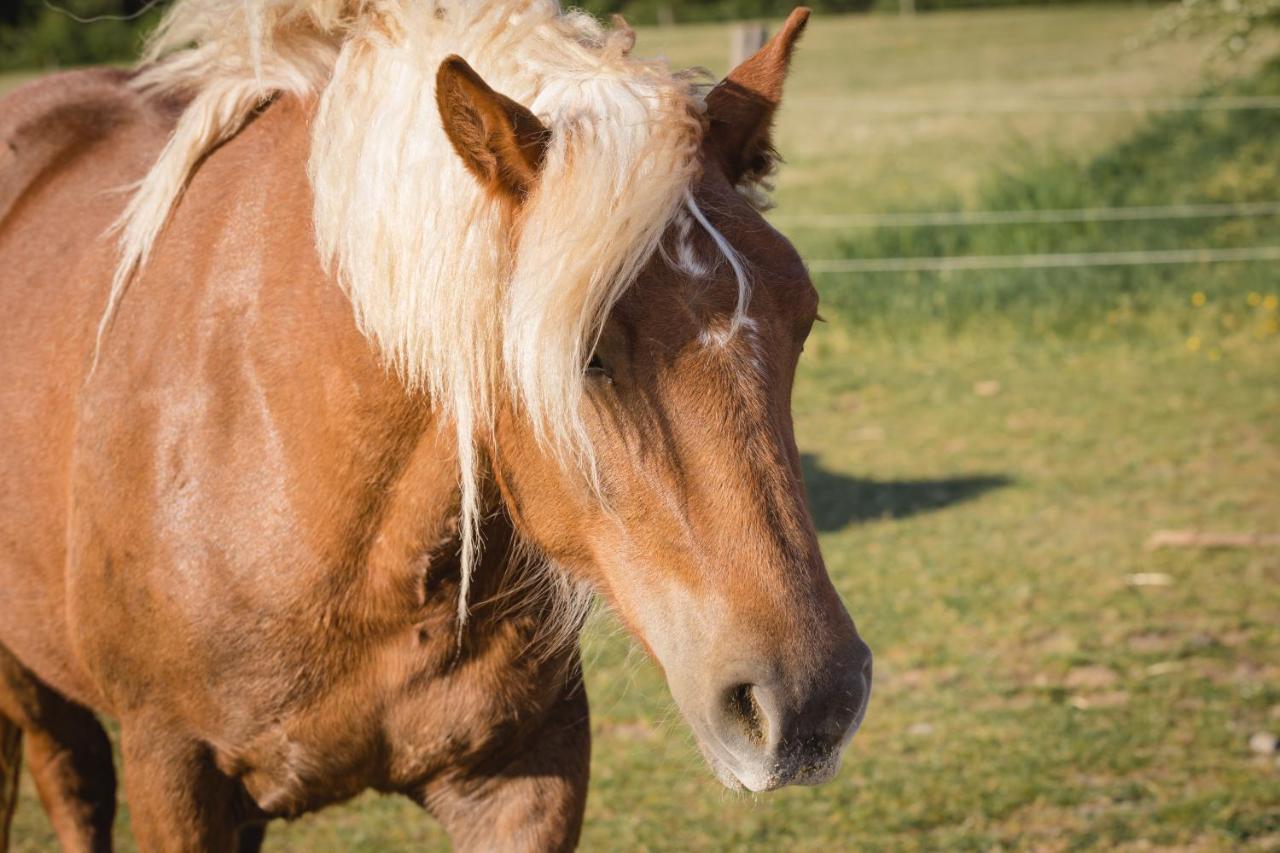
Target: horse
350 350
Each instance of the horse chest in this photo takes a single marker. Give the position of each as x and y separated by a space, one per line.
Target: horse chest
406 716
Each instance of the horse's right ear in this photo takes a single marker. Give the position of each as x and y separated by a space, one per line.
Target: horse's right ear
742 106
499 140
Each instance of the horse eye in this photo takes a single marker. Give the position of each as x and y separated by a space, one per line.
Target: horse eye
595 365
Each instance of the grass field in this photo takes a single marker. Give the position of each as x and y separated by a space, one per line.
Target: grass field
987 454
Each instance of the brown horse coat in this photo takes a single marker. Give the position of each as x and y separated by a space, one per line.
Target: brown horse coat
309 518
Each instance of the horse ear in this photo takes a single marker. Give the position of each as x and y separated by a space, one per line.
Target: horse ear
741 107
499 140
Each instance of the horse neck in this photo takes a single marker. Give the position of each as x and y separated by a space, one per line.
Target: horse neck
384 513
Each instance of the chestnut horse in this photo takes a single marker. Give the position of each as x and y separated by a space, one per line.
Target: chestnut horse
315 444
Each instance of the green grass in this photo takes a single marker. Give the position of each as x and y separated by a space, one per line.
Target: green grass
1206 157
987 454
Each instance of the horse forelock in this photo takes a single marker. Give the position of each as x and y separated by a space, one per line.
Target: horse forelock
468 297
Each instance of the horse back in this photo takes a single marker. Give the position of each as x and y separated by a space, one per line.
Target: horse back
69 145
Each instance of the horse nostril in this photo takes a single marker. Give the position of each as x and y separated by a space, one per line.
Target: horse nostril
741 706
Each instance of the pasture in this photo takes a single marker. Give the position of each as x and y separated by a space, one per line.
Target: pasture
987 453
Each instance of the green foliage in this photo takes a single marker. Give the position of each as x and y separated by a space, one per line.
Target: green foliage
1182 157
67 33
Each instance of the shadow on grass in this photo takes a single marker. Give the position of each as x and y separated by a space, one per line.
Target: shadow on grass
838 500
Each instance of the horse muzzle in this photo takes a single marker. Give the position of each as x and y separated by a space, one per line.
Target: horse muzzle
761 734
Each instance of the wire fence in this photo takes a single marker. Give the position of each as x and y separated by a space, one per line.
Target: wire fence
942 218
1050 260
919 106
1042 216
1056 260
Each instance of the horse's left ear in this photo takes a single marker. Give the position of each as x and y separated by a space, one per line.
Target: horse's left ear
741 107
499 140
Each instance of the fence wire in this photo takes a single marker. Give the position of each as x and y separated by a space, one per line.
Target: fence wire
942 218
1059 260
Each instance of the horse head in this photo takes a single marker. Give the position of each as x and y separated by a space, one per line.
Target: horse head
690 515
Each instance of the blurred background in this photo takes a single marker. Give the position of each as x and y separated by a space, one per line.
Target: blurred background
1041 428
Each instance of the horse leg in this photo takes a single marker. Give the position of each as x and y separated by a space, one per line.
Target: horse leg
10 767
68 754
251 838
535 801
178 799
76 781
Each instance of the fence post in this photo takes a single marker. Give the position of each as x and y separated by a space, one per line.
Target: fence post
745 38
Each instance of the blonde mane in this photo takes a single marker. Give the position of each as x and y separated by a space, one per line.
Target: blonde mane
463 295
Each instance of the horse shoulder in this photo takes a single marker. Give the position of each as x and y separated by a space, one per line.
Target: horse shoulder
248 474
66 141
49 122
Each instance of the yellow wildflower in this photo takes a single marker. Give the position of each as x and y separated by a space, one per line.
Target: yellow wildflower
1193 343
1198 298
